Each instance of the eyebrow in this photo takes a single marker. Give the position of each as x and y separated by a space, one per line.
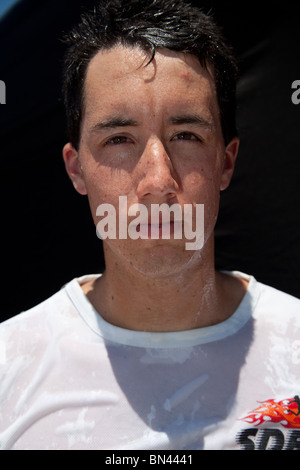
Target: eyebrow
190 119
114 122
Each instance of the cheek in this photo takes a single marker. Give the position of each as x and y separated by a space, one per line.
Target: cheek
202 187
203 184
105 185
203 169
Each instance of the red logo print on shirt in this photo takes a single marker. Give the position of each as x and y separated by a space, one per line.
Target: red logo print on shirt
285 412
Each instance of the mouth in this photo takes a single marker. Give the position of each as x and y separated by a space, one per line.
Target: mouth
159 230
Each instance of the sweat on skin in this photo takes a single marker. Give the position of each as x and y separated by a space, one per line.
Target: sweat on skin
153 134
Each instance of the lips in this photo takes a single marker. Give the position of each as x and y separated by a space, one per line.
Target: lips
159 230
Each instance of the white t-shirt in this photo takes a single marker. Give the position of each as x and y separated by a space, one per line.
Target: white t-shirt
70 380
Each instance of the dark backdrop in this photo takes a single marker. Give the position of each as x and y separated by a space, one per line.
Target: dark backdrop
47 233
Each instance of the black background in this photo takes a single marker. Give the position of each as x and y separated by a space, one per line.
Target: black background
47 233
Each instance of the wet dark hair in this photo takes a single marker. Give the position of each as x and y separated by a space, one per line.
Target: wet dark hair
149 24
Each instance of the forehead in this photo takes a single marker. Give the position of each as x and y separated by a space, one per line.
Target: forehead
122 76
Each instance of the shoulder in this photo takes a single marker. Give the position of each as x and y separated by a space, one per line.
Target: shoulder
33 329
275 300
62 303
277 313
263 299
269 308
35 313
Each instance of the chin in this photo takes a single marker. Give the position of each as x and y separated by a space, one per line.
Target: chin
152 258
165 261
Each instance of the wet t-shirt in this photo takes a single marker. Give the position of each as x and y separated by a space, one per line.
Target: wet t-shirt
70 380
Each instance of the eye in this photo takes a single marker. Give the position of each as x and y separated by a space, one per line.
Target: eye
117 140
186 136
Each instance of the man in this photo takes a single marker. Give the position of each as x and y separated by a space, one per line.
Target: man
161 351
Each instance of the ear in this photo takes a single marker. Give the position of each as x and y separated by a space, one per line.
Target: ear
73 168
230 155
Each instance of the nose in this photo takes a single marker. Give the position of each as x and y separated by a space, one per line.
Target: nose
157 176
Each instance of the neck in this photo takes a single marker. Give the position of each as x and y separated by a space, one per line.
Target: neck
198 297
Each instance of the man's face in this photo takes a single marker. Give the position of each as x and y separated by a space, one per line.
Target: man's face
151 133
